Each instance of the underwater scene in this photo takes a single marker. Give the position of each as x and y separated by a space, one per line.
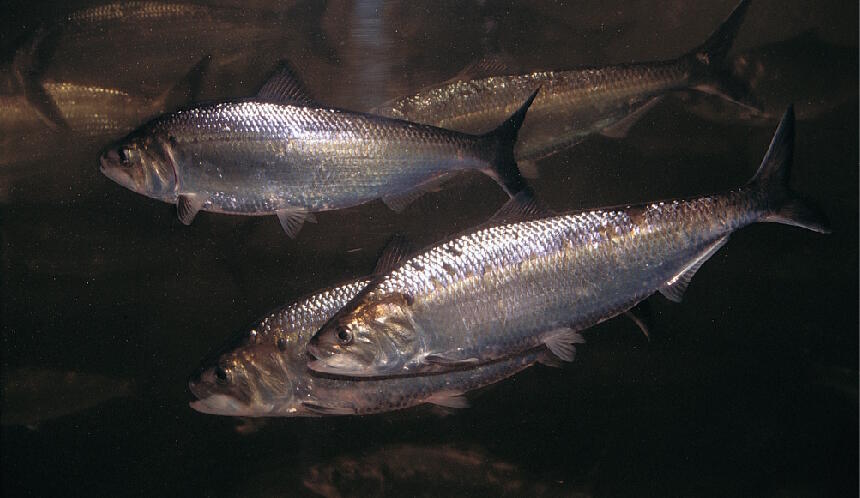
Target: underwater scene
388 248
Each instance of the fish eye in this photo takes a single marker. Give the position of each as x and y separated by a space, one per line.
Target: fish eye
344 336
123 155
221 375
282 344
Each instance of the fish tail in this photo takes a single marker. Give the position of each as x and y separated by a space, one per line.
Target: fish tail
770 182
709 63
504 166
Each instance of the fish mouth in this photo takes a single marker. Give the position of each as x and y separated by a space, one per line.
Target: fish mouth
220 404
108 166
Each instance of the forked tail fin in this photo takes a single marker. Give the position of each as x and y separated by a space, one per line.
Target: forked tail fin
782 204
504 169
709 61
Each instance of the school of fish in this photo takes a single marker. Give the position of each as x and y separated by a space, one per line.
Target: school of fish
425 326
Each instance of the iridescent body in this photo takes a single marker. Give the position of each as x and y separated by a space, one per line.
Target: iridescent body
264 373
504 289
573 104
260 158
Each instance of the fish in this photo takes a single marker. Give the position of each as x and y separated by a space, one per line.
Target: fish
93 111
804 69
137 41
32 396
262 372
531 277
282 154
437 470
573 104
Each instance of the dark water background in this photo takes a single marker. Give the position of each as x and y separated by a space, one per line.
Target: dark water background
749 387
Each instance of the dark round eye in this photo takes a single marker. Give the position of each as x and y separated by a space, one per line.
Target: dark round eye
221 375
344 336
123 156
282 344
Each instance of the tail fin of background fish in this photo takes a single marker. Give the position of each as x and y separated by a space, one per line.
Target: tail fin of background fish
709 62
505 170
28 68
782 204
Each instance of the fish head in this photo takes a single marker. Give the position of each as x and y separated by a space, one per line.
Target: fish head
144 164
374 336
251 381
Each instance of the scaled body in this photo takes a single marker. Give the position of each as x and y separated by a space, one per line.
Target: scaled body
264 373
573 104
501 290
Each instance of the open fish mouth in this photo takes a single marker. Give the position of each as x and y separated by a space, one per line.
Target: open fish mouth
220 404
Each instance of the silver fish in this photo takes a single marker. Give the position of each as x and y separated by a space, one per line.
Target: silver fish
573 104
281 154
504 289
263 372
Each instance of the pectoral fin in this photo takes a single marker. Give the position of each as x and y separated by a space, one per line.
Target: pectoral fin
188 205
448 359
293 219
675 287
642 316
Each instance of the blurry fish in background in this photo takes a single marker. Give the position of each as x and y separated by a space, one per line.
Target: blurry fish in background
280 153
87 117
435 470
818 76
21 76
143 44
577 103
32 395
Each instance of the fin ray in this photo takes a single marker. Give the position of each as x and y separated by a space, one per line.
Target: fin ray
675 287
188 205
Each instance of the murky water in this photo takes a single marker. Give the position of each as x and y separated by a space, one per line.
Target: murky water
109 302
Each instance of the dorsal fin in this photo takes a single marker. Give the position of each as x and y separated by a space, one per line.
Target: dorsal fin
491 65
395 251
521 207
284 87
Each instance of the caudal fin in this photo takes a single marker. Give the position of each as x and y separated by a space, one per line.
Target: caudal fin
709 61
782 204
504 138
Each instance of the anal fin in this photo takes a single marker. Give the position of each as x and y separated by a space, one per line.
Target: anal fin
562 342
449 400
293 219
188 205
398 202
622 127
675 287
318 409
